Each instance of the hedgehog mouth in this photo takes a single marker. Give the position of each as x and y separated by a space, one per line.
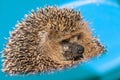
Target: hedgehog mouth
72 51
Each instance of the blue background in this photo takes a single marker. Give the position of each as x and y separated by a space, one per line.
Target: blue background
103 17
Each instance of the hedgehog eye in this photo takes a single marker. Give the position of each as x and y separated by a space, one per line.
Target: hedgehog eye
65 41
79 36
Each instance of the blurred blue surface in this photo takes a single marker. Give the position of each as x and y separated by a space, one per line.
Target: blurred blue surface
102 15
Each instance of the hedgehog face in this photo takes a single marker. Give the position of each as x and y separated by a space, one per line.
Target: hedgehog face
68 45
71 48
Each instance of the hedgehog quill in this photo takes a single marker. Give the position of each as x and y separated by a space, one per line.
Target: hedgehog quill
49 39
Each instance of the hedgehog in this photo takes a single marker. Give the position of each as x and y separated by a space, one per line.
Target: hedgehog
48 39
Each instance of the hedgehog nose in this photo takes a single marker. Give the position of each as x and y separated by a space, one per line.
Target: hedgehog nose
80 49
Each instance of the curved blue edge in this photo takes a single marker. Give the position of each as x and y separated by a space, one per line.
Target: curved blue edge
104 18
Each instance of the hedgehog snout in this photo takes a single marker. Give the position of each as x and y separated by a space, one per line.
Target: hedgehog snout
72 51
79 49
